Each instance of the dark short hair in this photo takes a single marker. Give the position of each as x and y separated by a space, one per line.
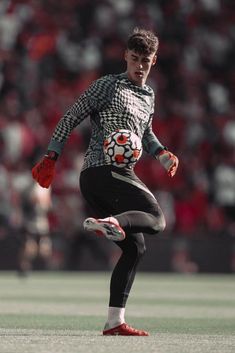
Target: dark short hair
143 41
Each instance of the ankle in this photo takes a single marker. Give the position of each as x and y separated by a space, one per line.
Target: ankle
112 324
115 317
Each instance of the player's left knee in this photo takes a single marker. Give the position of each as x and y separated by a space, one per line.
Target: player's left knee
160 225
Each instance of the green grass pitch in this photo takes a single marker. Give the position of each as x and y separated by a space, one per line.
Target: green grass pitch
65 313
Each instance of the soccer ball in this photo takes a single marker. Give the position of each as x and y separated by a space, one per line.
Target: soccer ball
122 148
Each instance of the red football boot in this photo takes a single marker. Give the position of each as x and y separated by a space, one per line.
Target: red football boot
124 330
108 227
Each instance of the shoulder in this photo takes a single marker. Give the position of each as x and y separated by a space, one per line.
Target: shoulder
149 90
107 80
113 79
151 94
105 86
102 85
100 93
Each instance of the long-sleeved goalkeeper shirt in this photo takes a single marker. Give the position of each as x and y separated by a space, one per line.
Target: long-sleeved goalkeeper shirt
112 102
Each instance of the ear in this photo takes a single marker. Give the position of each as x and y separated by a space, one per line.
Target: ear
154 60
125 55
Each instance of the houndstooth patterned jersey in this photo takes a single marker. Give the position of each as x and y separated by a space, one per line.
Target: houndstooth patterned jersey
112 102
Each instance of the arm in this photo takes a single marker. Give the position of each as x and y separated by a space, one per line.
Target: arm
93 99
80 110
153 146
43 172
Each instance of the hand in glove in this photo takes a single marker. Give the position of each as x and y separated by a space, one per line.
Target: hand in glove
169 161
43 172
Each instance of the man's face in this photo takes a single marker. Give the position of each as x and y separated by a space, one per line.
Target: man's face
138 66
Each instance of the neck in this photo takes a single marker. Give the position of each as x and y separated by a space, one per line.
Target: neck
139 84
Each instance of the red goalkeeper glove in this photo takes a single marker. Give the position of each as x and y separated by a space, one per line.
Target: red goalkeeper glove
43 172
169 161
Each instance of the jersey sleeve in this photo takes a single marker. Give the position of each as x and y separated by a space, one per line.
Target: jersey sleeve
150 142
95 98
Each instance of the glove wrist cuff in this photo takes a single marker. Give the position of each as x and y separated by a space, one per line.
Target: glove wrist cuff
52 155
161 152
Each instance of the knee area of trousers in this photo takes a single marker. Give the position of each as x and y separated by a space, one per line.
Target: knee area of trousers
159 226
162 224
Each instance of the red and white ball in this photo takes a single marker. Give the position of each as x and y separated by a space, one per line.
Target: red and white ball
122 148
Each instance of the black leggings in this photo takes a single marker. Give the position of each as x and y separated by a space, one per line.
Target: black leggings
118 192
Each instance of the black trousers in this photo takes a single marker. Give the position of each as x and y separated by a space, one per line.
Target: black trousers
112 191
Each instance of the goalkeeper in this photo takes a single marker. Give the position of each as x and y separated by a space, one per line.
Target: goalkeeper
125 206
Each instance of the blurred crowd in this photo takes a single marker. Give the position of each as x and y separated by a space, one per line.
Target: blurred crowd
50 51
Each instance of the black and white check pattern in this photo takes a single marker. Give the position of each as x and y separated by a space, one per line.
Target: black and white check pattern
112 102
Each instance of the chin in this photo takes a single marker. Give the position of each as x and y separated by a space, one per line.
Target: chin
138 80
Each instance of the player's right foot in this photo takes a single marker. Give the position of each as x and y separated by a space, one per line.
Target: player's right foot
108 227
124 330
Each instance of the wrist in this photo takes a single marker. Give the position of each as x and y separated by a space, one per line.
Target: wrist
160 152
52 155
